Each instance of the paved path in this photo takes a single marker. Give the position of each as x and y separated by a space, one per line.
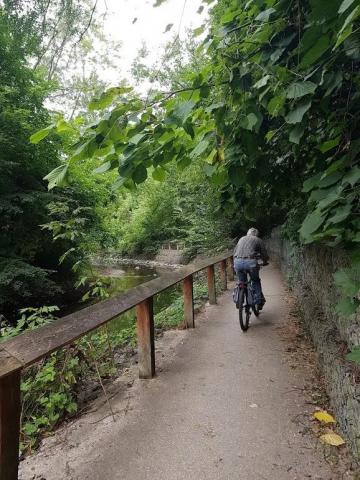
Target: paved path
222 408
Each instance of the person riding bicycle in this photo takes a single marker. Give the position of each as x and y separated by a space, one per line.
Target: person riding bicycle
247 251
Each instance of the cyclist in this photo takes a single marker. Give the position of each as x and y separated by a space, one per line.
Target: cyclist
248 249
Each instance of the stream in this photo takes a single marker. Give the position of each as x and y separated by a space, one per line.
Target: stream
120 278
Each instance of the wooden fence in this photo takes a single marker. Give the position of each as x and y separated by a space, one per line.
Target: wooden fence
30 347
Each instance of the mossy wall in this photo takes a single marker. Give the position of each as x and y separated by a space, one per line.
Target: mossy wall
309 273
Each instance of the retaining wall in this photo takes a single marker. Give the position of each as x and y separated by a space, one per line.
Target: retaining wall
309 272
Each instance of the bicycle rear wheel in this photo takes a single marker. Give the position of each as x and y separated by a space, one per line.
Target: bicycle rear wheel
244 311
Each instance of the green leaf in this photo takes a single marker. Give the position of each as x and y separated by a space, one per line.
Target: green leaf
274 57
346 307
41 134
105 167
352 177
299 89
199 149
64 127
265 15
236 175
296 134
159 174
252 120
311 182
346 29
136 139
311 223
354 355
331 197
56 177
341 214
275 105
209 169
328 145
182 110
345 283
140 174
316 51
327 180
270 135
345 5
262 82
198 31
107 98
296 115
343 36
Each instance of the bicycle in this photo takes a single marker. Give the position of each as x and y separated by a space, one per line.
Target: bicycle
244 296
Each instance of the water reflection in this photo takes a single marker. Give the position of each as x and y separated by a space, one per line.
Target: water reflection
120 278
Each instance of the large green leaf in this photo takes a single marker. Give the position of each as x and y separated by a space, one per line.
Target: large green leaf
41 134
296 115
346 29
327 180
182 110
352 177
345 5
316 51
311 223
328 145
140 174
200 148
56 177
107 97
296 134
265 15
311 182
299 89
262 82
275 105
341 214
159 174
332 196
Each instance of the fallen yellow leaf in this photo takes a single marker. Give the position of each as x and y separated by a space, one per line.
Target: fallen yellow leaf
324 417
332 439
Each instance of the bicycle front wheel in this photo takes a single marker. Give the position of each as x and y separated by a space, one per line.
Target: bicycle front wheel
244 311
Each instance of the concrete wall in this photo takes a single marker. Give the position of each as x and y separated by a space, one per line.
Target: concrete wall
171 256
309 272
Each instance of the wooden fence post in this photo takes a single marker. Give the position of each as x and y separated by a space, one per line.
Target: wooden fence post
10 409
211 284
188 302
231 269
146 342
223 274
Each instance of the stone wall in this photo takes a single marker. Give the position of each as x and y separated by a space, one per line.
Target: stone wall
309 272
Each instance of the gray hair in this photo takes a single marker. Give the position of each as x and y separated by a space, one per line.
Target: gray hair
253 231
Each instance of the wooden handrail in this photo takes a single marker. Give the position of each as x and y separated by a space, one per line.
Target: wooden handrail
29 347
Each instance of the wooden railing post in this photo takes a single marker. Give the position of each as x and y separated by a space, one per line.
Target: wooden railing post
10 408
146 342
223 274
211 284
231 269
188 302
